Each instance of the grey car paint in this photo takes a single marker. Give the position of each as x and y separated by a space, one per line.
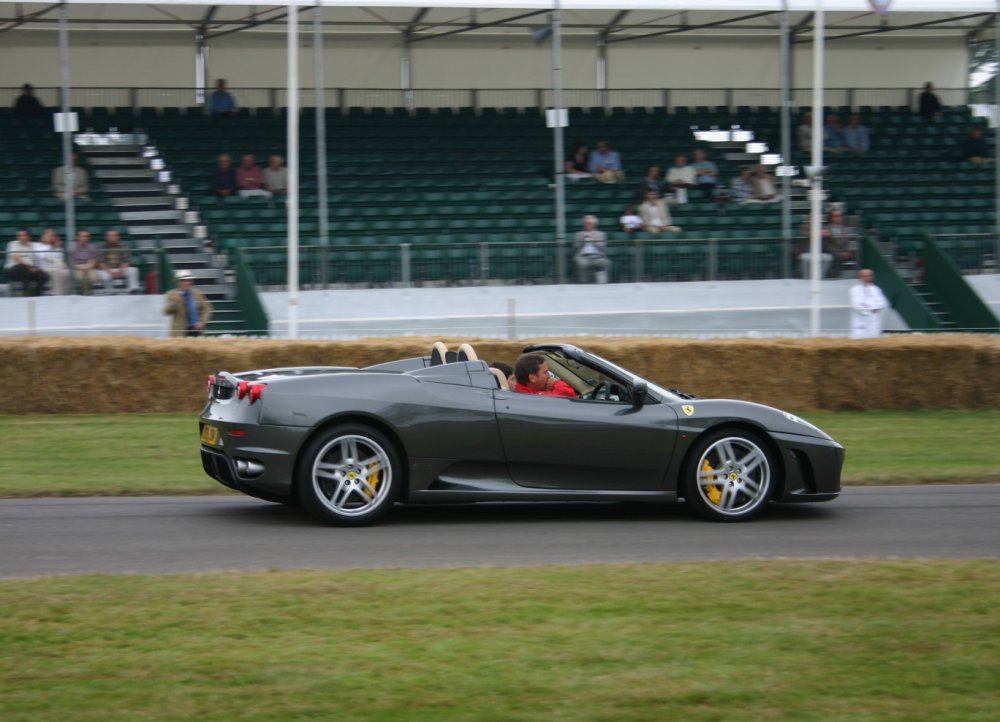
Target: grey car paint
462 438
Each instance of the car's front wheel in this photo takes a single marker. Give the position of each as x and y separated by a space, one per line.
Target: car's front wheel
728 476
349 475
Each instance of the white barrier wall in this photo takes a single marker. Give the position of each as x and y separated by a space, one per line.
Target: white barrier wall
257 59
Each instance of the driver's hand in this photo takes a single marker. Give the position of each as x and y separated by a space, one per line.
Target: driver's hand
550 383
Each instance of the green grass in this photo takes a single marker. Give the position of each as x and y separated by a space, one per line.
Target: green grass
782 640
158 453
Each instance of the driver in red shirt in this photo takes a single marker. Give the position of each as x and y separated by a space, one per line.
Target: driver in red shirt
531 374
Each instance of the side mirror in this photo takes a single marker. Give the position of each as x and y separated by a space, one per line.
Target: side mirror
639 391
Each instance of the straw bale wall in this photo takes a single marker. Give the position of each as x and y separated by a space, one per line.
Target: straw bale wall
48 375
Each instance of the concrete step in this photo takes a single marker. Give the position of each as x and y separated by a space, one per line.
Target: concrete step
133 175
144 217
135 189
128 204
118 162
173 230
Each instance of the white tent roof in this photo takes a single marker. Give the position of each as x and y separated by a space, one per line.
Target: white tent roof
620 18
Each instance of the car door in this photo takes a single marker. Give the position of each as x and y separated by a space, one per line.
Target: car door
561 443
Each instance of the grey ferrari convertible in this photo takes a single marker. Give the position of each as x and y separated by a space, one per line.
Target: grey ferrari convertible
349 443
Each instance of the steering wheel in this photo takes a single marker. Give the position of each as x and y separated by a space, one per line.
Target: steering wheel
599 392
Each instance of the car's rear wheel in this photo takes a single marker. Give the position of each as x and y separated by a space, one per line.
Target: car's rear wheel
728 476
349 475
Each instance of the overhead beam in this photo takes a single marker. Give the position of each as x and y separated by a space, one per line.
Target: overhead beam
479 26
281 15
689 28
415 20
912 26
27 18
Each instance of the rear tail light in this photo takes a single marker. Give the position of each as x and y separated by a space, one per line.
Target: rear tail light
209 384
252 390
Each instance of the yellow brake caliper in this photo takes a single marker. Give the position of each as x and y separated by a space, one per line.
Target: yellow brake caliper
373 479
712 491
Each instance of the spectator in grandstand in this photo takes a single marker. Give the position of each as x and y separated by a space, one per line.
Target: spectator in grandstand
867 304
187 306
928 104
655 215
532 376
27 105
50 258
840 240
650 182
223 181
83 260
857 137
114 264
630 220
221 102
681 178
606 164
22 265
975 148
276 176
250 179
764 188
741 188
833 135
804 133
706 173
590 251
81 183
576 165
802 250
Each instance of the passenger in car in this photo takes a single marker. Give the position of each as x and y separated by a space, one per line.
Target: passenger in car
532 376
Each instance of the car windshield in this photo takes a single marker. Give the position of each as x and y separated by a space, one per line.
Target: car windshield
664 394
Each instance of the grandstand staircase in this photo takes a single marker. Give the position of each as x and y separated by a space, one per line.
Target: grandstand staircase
153 221
925 293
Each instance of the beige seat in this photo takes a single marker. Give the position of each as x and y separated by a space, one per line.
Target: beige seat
501 379
439 354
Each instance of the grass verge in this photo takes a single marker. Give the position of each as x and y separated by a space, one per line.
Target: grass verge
787 640
158 453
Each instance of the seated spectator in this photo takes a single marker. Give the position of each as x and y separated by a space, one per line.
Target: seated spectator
655 216
575 166
22 266
221 102
833 135
804 133
605 164
975 148
741 189
681 178
706 173
83 261
532 376
250 179
223 182
803 251
857 137
114 264
764 188
27 105
81 183
590 253
928 104
50 258
840 240
276 176
651 182
630 220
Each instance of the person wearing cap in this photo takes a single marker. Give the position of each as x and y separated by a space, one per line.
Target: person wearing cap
187 306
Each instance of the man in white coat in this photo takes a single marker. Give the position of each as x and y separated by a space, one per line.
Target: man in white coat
867 304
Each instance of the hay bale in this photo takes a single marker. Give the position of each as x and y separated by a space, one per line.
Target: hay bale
72 375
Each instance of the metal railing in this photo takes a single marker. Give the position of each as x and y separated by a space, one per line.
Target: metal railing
639 260
478 98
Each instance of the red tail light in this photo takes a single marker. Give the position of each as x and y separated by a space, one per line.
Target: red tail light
256 390
209 383
241 389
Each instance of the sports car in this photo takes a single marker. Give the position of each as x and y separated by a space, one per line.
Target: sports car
349 443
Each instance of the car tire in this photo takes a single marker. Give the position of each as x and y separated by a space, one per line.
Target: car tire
349 475
729 475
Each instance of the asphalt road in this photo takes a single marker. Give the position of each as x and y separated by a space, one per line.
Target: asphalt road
197 534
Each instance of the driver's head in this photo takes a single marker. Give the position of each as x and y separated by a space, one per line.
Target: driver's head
531 370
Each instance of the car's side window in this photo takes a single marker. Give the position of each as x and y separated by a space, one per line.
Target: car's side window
589 383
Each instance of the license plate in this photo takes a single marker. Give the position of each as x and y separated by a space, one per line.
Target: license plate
209 435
